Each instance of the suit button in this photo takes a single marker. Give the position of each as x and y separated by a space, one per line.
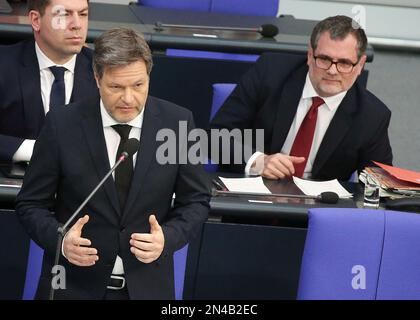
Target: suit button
122 229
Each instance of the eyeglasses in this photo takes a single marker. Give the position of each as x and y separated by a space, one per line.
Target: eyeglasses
343 66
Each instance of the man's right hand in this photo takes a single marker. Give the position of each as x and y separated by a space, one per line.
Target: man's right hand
278 166
76 249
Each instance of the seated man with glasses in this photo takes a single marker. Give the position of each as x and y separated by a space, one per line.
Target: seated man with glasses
319 122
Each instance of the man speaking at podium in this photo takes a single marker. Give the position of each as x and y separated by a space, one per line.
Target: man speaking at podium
121 247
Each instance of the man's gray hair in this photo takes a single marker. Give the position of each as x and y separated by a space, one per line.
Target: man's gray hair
339 27
120 47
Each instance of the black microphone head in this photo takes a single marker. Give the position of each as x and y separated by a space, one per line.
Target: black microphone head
131 146
158 26
269 30
328 197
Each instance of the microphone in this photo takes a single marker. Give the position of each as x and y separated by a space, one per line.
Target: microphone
130 148
266 30
325 197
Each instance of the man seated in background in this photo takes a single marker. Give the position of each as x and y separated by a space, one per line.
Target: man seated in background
319 122
42 73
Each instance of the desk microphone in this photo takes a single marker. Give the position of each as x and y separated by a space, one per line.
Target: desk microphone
325 197
130 147
266 30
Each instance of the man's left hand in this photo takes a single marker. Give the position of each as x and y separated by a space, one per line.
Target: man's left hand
147 247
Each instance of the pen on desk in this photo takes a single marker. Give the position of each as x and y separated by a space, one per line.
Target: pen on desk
218 185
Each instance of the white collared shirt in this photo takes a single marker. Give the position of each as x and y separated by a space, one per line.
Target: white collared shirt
47 77
24 152
112 140
326 113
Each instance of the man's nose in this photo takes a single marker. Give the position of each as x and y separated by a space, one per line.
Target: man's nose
128 95
333 69
76 22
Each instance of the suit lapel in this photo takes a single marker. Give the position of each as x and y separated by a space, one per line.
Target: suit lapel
30 83
84 82
146 152
286 108
336 131
93 129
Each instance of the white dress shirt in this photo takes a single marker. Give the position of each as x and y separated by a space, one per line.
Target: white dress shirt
326 113
112 141
24 152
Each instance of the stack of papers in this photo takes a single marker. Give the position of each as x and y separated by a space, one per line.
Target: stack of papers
393 181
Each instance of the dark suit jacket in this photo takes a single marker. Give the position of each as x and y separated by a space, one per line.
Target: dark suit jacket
21 109
267 98
69 160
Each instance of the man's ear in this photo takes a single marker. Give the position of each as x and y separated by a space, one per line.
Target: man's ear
35 20
362 63
363 60
310 54
97 79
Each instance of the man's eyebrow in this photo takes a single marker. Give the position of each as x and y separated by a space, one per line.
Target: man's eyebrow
81 10
338 60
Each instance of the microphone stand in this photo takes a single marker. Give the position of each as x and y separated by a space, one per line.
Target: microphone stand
62 230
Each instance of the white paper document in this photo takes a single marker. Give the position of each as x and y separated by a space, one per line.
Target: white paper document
315 188
255 185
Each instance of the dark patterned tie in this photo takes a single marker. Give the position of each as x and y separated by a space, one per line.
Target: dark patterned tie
124 171
58 89
303 141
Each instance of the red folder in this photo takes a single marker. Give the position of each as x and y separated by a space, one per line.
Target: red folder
401 174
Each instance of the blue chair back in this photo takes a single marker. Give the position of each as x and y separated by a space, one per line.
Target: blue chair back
339 240
180 264
33 271
360 254
220 93
354 177
196 5
211 55
246 7
400 267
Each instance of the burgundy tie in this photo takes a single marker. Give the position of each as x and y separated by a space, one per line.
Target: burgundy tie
303 141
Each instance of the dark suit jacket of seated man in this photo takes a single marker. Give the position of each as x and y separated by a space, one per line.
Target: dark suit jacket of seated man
22 109
267 97
71 156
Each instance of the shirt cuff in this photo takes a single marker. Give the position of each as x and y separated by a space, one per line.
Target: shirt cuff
258 169
24 153
62 246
